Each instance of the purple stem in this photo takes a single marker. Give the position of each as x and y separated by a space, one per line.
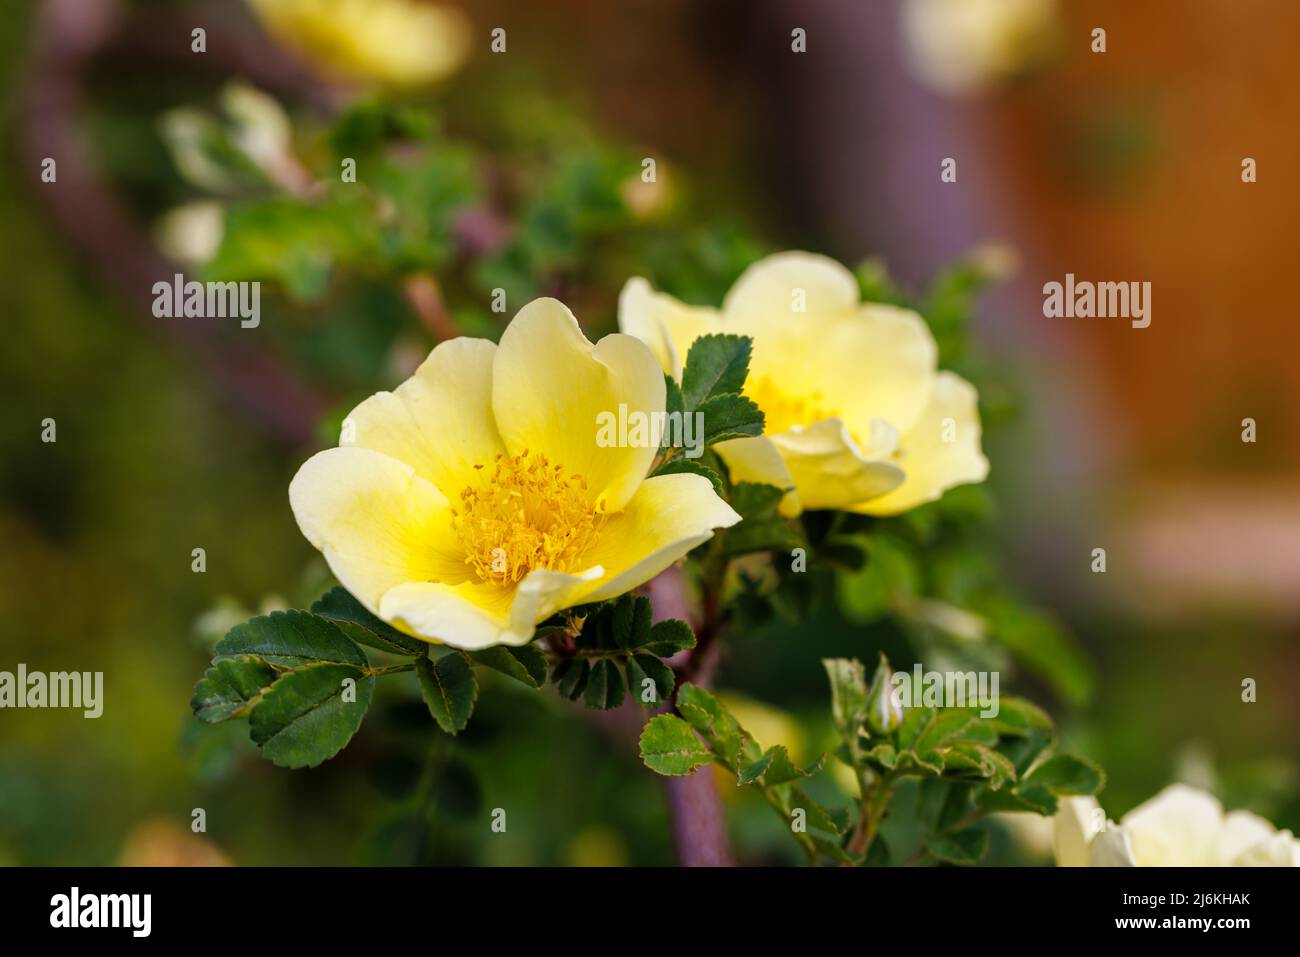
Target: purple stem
695 812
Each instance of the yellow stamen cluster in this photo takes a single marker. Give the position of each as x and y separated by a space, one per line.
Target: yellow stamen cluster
781 410
526 514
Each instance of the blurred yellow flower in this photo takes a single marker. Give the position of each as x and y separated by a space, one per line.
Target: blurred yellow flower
1180 827
858 415
392 42
475 500
966 46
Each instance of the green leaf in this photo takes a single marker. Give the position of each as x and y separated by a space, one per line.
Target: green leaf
605 686
763 529
959 847
682 465
228 686
883 755
673 399
914 721
775 768
670 747
1039 800
631 621
1018 717
290 638
984 761
730 417
945 725
848 694
730 742
304 717
449 689
817 816
832 850
1067 774
715 365
642 667
570 677
525 663
670 636
357 621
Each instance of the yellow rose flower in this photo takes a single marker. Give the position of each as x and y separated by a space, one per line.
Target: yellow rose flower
395 42
1179 827
474 501
858 415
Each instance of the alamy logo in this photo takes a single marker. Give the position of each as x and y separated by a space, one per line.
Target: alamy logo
212 300
638 430
57 689
102 910
1104 300
947 689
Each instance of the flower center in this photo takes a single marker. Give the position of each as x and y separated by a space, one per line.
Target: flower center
525 514
781 409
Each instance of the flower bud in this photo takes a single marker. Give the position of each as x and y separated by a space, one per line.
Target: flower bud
884 710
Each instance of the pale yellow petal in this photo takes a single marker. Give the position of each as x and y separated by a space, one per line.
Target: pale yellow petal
830 470
1077 822
668 516
877 363
1112 847
941 450
1281 849
439 421
469 615
377 523
551 387
1176 828
1241 831
476 615
665 325
786 288
543 592
756 459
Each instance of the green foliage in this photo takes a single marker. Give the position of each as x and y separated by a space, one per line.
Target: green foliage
716 365
703 731
969 763
615 647
449 689
364 627
310 713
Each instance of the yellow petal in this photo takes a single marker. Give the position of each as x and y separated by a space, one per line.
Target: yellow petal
1175 828
756 459
877 363
377 523
551 386
400 42
787 287
820 348
1077 822
1112 847
668 516
463 616
1241 832
830 470
474 615
665 325
941 450
440 420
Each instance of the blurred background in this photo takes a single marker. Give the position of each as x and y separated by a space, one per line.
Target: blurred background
520 168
